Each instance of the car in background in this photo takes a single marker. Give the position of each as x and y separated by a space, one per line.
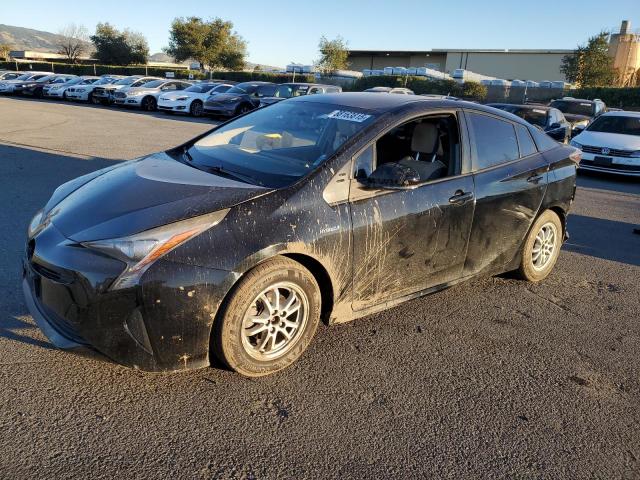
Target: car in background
611 144
238 100
105 92
191 100
146 96
234 245
396 90
293 89
8 75
59 89
14 85
549 119
36 88
579 112
84 92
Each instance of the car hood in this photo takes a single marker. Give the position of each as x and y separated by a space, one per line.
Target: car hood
141 89
574 117
141 194
609 140
221 97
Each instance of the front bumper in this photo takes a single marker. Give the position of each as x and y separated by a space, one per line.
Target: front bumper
172 106
162 324
617 165
222 109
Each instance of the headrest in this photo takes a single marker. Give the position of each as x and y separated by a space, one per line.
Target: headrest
425 138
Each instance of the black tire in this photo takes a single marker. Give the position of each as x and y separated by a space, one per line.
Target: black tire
528 269
93 100
230 339
38 93
243 108
148 104
64 95
196 108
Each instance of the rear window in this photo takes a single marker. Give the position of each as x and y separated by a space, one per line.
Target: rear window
494 141
573 107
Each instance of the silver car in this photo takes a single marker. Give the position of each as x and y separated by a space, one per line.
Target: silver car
146 96
105 92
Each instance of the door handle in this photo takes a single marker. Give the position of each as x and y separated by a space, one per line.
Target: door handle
460 198
535 178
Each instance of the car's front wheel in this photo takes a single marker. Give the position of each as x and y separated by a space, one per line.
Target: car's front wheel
196 108
148 104
269 320
541 248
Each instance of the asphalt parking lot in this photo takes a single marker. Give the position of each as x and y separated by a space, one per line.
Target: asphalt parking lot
495 378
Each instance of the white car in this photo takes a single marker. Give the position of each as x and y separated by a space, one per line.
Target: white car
8 75
611 143
146 96
84 93
9 86
105 93
191 100
59 89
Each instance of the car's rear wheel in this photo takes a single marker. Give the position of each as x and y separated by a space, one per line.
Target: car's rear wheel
269 319
196 108
541 248
148 104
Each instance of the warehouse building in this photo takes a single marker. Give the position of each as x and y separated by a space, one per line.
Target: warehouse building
534 65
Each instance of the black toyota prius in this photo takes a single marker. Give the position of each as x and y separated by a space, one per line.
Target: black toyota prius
236 244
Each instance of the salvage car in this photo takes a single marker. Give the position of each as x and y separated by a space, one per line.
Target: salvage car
235 244
290 90
549 119
191 100
146 95
240 99
59 89
84 92
15 85
611 144
36 88
105 93
578 111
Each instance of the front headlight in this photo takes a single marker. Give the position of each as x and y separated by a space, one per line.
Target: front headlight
573 143
182 99
135 94
141 250
36 224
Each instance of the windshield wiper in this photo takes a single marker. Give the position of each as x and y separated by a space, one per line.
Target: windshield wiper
217 169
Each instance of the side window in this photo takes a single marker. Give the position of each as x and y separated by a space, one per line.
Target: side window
493 142
363 164
527 147
169 86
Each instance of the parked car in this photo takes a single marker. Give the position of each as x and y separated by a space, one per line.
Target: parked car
59 89
191 100
36 88
397 90
550 120
235 244
15 85
84 92
105 92
146 96
239 99
8 75
579 112
290 90
611 144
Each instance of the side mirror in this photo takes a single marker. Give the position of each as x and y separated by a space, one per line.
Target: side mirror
392 176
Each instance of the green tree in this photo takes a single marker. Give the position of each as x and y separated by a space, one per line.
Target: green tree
333 54
590 65
114 47
213 43
5 49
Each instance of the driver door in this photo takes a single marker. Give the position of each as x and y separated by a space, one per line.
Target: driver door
409 239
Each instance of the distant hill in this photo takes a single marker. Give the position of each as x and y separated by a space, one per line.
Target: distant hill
20 38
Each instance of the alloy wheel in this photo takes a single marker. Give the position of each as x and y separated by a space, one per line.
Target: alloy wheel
544 246
275 321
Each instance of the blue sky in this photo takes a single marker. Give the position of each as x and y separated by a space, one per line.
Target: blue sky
282 31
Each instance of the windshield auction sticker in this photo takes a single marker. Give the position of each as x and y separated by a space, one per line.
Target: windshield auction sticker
349 116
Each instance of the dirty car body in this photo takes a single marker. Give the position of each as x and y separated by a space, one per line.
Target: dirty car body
370 242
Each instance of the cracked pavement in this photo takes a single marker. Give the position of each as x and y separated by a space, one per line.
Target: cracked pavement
494 378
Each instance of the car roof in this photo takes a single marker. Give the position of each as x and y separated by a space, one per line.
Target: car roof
522 106
571 99
623 113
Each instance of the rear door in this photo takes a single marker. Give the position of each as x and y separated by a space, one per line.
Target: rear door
510 177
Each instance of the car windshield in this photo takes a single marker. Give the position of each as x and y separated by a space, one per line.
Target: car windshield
243 88
126 81
616 124
266 90
89 81
200 88
104 81
535 116
275 146
574 108
152 84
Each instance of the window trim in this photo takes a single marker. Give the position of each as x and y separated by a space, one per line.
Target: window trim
533 142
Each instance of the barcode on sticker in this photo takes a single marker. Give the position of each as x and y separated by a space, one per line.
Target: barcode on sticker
349 116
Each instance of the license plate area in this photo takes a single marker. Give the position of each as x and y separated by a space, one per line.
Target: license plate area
602 161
